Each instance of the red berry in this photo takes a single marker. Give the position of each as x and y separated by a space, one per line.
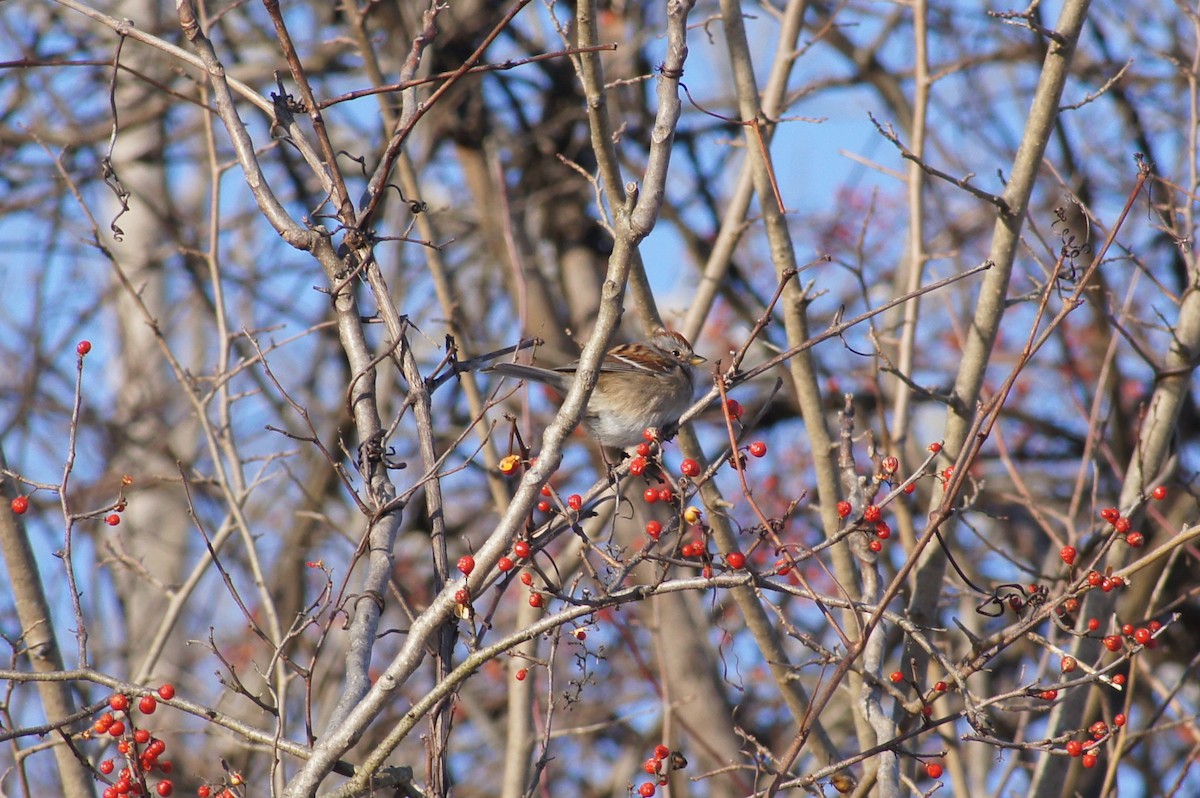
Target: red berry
1123 525
652 765
1154 626
890 464
113 520
1094 578
1093 624
1071 605
106 767
575 501
1135 539
535 600
147 705
116 729
521 549
882 530
1159 493
935 447
166 692
653 529
896 677
1110 514
637 465
871 513
1089 760
1112 643
1119 720
543 506
647 789
546 491
1049 695
661 752
650 495
141 736
689 467
1074 747
466 564
758 449
665 495
706 572
1127 629
19 505
1117 581
462 597
875 546
526 578
941 687
165 788
650 434
1068 554
735 408
933 770
1098 729
910 487
521 674
119 702
1119 680
83 347
1142 636
505 564
735 560
843 509
1068 664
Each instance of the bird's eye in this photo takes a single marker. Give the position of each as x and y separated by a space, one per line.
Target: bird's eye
676 353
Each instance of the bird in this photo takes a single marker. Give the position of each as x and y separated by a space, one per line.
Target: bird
641 385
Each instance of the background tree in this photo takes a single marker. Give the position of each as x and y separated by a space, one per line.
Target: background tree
932 524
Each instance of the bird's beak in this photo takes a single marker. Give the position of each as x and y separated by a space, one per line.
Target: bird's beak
696 360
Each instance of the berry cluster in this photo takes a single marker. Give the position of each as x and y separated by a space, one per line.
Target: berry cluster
142 752
658 765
